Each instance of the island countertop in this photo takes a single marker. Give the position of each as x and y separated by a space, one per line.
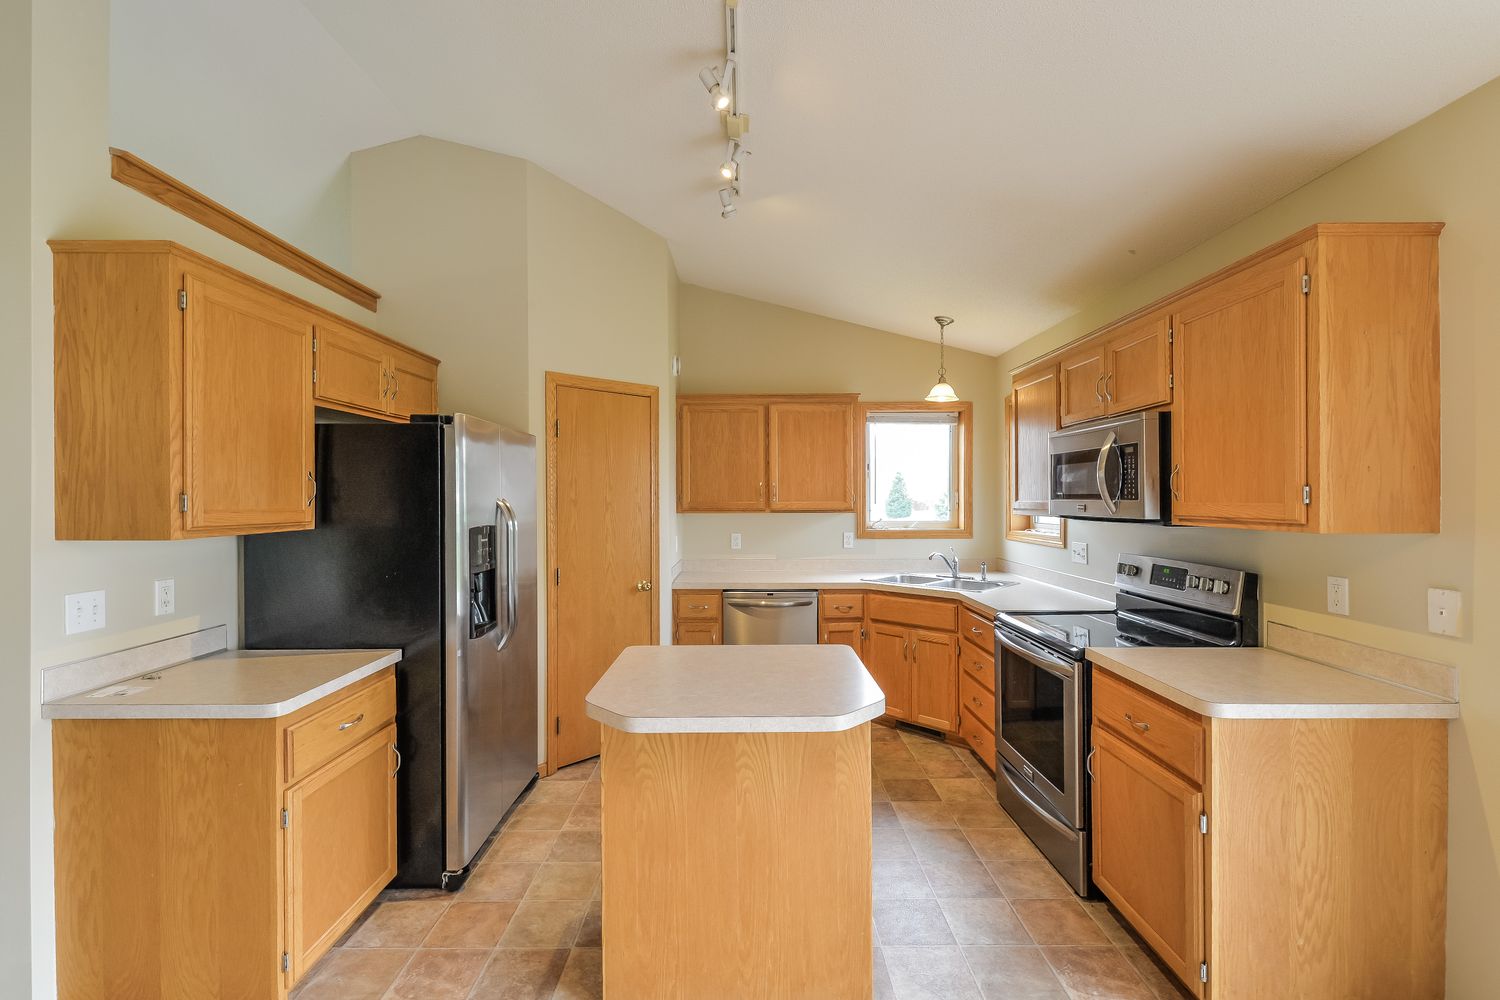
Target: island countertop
736 689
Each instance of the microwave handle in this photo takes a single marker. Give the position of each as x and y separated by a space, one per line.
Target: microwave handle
1110 503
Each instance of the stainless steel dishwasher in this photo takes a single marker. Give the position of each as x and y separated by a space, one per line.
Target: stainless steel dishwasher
770 617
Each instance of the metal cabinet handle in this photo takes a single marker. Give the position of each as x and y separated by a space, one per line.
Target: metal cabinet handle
397 751
843 607
1107 394
314 481
1144 727
1172 482
385 383
760 490
1088 763
352 722
697 607
773 491
976 629
1097 394
395 385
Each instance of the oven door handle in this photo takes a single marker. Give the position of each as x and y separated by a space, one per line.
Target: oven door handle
1058 668
1110 502
1041 809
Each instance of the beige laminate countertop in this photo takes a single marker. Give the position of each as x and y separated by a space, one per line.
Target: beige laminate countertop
735 689
1023 595
232 684
1260 683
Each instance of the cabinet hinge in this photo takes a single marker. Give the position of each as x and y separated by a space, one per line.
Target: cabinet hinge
286 962
1171 334
286 819
182 503
556 577
315 376
1171 380
1306 284
557 724
1306 494
1203 822
182 299
315 345
557 428
1202 972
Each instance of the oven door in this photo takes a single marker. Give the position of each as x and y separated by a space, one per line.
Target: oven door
1039 715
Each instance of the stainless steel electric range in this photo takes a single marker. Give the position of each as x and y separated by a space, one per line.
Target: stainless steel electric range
1042 704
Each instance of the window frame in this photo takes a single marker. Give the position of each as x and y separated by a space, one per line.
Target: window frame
1018 527
963 497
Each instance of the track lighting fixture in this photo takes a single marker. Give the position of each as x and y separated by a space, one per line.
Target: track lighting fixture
942 392
720 85
725 88
726 203
733 154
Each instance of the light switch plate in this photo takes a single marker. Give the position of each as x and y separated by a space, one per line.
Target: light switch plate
164 597
84 612
734 539
848 539
1443 610
1080 552
1338 595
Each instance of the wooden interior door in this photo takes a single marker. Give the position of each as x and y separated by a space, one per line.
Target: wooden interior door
811 451
351 369
889 662
1138 365
247 410
850 634
1239 421
602 530
935 680
721 456
1081 384
1033 417
1148 852
340 846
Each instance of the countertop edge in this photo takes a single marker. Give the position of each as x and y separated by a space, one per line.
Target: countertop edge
65 710
730 724
966 598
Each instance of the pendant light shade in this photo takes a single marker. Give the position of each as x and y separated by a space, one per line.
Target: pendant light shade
942 392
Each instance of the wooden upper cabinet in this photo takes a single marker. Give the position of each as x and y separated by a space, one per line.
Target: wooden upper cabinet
413 383
721 456
1081 383
1239 427
360 372
1034 400
811 450
1138 365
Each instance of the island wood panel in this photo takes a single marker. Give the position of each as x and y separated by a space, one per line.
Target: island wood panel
811 456
737 865
1328 857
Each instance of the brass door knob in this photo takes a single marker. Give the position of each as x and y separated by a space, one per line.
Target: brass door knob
643 585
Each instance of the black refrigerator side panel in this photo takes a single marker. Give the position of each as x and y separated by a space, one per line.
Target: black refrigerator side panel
370 575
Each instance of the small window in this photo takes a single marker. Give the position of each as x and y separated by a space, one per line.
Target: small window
916 470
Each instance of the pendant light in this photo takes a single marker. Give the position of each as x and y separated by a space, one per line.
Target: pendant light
942 392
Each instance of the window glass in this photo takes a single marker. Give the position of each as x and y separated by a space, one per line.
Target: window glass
912 478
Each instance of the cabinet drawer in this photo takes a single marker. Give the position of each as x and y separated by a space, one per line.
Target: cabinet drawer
977 629
698 605
915 611
1146 722
976 699
977 737
698 633
318 739
977 666
841 604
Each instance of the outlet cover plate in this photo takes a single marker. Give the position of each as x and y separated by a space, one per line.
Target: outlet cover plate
1080 552
1338 595
1443 610
848 539
734 539
164 597
83 612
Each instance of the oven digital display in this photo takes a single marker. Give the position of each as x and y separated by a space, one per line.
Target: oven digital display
1169 576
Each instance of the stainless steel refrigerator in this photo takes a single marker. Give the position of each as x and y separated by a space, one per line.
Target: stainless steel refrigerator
426 541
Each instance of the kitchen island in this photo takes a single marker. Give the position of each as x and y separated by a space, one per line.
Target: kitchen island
736 821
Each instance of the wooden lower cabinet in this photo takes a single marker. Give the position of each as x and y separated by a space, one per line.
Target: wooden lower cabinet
934 673
889 662
851 634
913 655
698 617
188 864
693 633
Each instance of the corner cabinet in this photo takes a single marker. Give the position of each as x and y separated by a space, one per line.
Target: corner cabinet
913 656
185 394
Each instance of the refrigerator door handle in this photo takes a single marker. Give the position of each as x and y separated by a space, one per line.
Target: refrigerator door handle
508 514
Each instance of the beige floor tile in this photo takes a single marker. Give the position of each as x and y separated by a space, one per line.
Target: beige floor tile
1007 844
582 771
1109 922
1162 983
583 976
398 924
544 923
883 988
540 816
476 924
591 794
941 844
521 974
924 814
439 975
585 816
591 930
884 814
900 767
566 792
878 792
1097 972
928 748
910 789
1013 973
903 922
981 816
890 842
930 974
576 845
1029 880
881 733
959 879
565 880
946 767
1058 922
500 880
900 878
962 790
983 921
355 974
522 845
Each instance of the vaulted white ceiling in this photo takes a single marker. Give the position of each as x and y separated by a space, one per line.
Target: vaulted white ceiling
996 161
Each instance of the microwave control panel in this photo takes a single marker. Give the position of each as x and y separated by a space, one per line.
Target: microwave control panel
1130 472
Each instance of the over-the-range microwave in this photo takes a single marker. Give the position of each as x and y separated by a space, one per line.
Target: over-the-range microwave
1111 470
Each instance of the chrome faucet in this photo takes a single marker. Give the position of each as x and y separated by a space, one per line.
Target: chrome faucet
951 561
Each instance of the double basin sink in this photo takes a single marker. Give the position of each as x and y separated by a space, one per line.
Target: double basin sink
940 582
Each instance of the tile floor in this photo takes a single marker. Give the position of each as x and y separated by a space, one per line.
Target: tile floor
965 907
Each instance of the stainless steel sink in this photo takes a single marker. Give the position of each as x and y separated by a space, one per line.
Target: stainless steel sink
969 585
909 579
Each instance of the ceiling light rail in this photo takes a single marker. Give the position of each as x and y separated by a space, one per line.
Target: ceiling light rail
725 86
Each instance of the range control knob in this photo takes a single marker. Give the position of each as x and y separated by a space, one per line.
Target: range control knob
1221 586
1127 569
1193 581
1206 583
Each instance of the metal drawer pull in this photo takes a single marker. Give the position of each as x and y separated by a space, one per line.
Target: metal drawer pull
976 629
843 607
1144 727
1088 763
314 489
397 751
352 722
697 607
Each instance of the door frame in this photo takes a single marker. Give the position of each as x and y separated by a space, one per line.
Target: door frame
562 380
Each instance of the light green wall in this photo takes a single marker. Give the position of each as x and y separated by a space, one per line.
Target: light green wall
735 344
1444 169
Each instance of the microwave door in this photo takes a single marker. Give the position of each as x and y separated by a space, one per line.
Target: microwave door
1101 473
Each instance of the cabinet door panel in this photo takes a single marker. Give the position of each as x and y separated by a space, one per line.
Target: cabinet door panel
340 846
1148 851
1138 360
848 633
413 385
1081 384
1033 416
1239 421
698 633
935 680
351 369
889 662
721 457
811 450
247 410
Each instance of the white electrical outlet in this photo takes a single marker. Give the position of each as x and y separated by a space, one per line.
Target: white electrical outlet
1080 552
734 539
848 539
84 612
1338 595
164 599
1443 609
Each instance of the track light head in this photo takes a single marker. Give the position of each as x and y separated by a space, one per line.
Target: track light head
734 153
726 203
719 85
